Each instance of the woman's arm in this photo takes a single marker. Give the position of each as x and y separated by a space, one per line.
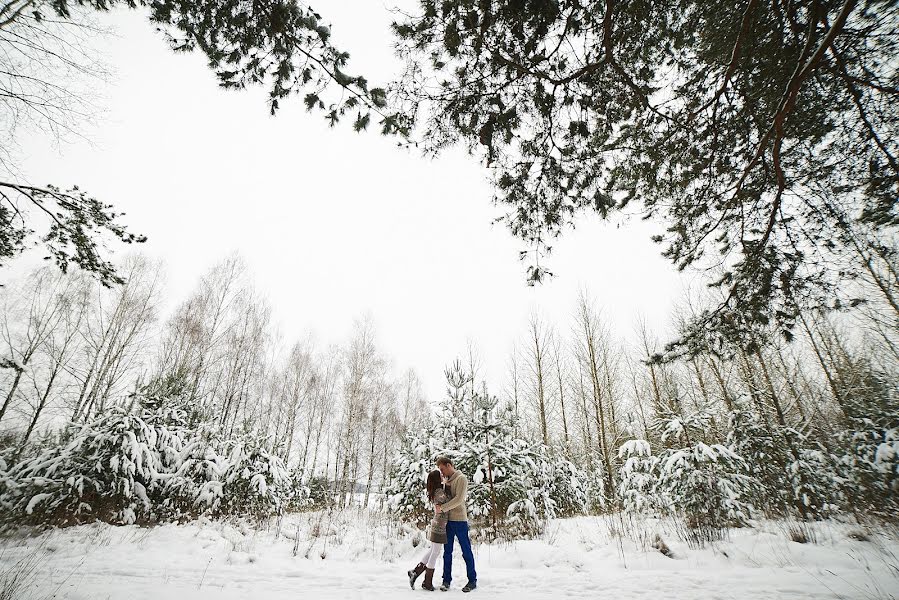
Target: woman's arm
459 498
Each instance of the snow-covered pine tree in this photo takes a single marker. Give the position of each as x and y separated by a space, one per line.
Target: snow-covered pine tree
702 483
514 485
789 473
505 491
147 464
869 444
457 406
103 472
298 494
573 490
409 468
748 435
638 478
254 483
185 447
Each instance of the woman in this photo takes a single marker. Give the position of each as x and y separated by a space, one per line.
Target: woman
436 534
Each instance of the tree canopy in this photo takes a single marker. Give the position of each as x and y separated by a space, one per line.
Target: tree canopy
763 135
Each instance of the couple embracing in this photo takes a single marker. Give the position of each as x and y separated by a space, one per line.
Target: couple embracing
447 490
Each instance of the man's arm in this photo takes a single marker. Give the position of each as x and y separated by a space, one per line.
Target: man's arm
459 498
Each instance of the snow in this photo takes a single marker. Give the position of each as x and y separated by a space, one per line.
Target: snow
34 502
257 482
365 554
478 475
888 451
634 448
141 492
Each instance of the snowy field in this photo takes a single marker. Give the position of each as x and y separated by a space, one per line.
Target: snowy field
365 555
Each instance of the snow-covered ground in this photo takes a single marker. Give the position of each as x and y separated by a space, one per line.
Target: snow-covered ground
365 555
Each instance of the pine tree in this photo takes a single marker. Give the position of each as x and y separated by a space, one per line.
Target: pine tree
514 485
146 464
703 485
791 474
714 116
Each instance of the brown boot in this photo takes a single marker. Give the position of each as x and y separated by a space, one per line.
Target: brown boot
428 583
414 573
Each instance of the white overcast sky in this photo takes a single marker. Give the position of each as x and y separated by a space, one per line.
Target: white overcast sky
335 224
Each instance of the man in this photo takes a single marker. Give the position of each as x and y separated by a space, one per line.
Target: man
456 526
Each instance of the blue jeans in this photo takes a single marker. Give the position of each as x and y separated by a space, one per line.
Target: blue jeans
458 529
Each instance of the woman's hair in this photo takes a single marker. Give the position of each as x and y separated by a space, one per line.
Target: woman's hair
434 483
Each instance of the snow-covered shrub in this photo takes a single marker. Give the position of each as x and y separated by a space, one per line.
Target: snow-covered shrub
638 477
103 472
815 479
701 484
193 471
572 490
704 483
187 455
8 447
408 470
749 436
153 464
789 474
514 485
869 444
254 482
544 485
298 492
320 494
522 520
231 477
871 467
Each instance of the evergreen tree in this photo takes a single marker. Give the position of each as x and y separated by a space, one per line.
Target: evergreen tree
763 135
869 444
514 485
789 472
148 464
702 484
639 475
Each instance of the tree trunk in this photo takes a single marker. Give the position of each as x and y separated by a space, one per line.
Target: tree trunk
562 402
752 386
13 388
371 461
585 411
837 397
722 384
37 411
699 378
600 419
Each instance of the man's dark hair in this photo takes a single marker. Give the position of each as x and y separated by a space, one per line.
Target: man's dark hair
443 460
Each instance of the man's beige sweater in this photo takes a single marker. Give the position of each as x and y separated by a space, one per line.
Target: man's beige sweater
455 507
